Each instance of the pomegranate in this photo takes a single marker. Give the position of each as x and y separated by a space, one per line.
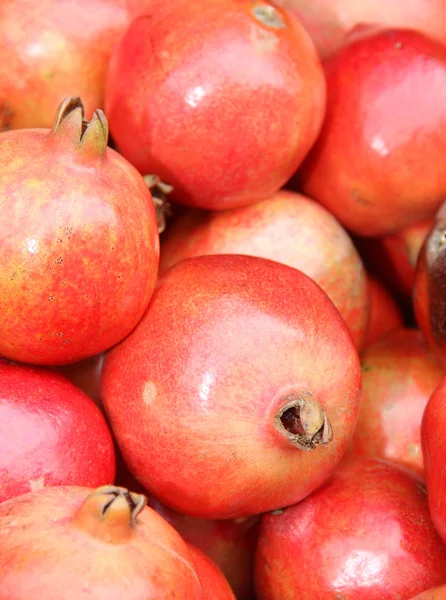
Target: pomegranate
86 374
430 290
330 21
213 582
287 228
258 383
438 593
222 99
399 376
72 542
229 543
365 535
51 433
378 163
385 314
434 446
61 48
80 245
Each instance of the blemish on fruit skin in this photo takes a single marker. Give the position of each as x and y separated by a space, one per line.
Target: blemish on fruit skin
149 393
37 484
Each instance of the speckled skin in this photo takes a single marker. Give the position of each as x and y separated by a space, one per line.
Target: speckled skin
229 543
399 376
365 535
378 164
50 433
217 103
79 248
48 552
192 393
290 229
51 49
438 593
385 314
433 438
330 21
213 582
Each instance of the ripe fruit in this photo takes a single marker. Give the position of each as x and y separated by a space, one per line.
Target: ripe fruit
72 542
229 543
399 376
61 48
433 438
247 402
51 434
378 163
438 593
385 314
287 228
220 98
213 582
430 292
79 249
365 535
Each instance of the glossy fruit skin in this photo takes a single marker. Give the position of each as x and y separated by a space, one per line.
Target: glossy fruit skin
51 434
55 543
399 376
80 245
438 593
330 21
61 48
213 582
433 430
385 315
207 396
228 543
378 163
288 228
365 535
218 103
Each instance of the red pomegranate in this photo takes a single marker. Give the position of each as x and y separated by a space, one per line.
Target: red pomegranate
229 543
86 374
438 593
213 582
330 21
430 288
61 48
365 535
51 434
399 376
288 228
220 98
71 542
80 246
378 163
385 314
239 390
433 438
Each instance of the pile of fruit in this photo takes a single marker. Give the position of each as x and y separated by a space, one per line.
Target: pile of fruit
223 299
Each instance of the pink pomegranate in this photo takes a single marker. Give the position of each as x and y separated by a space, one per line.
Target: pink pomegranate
288 228
80 242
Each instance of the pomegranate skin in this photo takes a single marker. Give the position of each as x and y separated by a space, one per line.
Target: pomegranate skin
222 99
288 228
61 48
86 374
438 593
51 433
378 163
80 245
399 376
385 315
365 535
210 414
71 542
433 431
213 582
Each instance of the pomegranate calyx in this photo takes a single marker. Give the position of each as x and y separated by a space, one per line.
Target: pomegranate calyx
110 513
302 420
159 190
90 137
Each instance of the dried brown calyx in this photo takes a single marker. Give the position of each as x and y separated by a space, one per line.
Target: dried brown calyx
302 420
159 191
